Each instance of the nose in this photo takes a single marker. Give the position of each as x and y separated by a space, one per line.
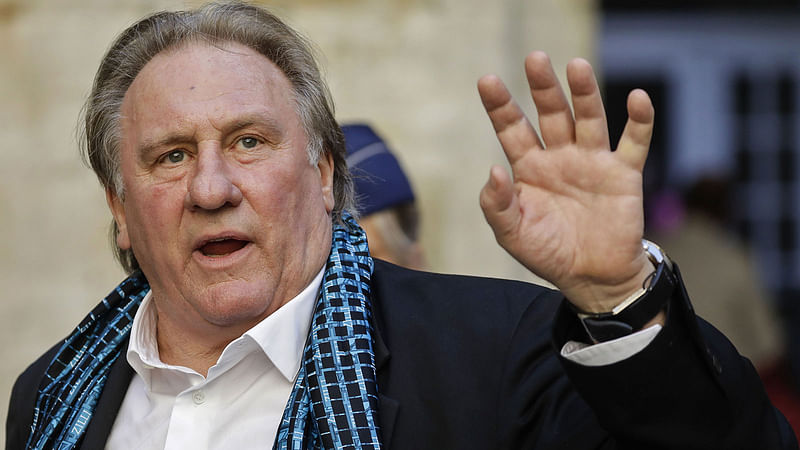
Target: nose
212 185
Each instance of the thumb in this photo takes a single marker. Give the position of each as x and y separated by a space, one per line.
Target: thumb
500 204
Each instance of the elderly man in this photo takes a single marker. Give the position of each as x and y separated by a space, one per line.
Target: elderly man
254 316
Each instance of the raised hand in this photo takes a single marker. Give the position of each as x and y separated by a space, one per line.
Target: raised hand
572 213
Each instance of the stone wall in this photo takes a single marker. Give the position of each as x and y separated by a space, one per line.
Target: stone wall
407 66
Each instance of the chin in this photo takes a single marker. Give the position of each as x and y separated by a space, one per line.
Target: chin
230 305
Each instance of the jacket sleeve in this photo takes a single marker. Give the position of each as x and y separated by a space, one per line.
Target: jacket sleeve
689 388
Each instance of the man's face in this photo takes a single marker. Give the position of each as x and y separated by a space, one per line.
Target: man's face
225 214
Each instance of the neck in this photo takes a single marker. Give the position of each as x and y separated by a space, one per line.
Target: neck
186 338
197 351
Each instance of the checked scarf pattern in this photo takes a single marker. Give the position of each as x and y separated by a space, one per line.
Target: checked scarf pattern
75 378
334 403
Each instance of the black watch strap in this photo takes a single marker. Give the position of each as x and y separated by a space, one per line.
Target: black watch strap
635 312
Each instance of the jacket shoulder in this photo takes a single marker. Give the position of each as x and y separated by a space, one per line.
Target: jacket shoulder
427 286
419 306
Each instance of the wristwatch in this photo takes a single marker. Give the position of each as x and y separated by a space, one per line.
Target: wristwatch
639 308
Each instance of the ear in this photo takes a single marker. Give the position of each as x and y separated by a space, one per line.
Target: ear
326 170
117 208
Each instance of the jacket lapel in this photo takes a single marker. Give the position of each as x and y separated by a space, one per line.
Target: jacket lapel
119 378
388 406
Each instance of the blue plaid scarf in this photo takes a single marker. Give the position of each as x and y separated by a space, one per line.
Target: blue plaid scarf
334 403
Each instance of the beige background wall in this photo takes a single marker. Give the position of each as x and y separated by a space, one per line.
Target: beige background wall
408 66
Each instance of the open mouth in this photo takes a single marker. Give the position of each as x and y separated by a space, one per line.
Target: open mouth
216 248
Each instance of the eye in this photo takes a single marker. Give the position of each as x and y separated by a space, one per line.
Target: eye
176 156
249 142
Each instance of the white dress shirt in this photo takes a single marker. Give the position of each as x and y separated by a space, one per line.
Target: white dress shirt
240 403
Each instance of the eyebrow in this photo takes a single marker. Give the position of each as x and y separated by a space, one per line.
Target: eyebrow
149 146
270 126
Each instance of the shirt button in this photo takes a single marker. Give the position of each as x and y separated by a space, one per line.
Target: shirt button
199 397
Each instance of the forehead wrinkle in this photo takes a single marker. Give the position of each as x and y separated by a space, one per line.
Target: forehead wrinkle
263 122
263 115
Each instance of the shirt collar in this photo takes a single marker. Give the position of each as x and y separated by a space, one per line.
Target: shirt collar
281 335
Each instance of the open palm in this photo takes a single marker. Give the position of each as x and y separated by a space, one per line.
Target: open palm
573 212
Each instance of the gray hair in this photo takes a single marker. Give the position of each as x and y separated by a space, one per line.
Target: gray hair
214 23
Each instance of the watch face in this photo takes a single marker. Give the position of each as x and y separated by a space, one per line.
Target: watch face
655 253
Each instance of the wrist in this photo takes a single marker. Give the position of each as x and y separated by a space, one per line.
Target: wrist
594 298
641 309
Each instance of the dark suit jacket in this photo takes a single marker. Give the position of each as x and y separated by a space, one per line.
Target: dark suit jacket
468 363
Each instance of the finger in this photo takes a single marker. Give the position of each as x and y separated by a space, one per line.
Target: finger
515 133
500 204
555 117
591 128
635 141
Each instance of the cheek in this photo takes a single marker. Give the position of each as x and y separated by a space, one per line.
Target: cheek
153 212
275 189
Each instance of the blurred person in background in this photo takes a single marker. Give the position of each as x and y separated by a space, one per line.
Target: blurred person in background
726 287
388 212
717 267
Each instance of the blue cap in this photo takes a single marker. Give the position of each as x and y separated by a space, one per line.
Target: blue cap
379 181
